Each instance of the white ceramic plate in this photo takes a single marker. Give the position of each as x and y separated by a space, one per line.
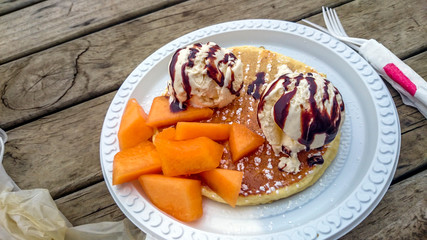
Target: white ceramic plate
348 191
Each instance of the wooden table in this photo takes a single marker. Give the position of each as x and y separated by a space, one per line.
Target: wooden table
61 63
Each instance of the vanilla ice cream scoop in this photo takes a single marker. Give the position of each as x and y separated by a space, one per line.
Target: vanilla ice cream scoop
299 112
204 75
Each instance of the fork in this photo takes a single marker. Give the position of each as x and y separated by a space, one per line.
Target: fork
335 28
411 86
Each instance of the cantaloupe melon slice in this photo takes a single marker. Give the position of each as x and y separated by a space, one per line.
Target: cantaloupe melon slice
179 197
131 163
188 156
214 131
133 128
160 114
226 183
243 141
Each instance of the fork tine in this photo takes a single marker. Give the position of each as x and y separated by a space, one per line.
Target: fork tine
340 27
326 20
329 21
341 31
335 28
333 22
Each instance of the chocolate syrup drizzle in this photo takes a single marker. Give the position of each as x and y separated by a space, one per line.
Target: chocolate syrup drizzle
212 71
265 94
254 87
230 87
281 108
315 160
174 105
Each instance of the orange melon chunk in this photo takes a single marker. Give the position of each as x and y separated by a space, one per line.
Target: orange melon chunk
226 183
160 114
131 163
133 128
243 141
179 197
165 134
214 131
189 156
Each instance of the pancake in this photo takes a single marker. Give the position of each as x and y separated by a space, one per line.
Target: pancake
263 182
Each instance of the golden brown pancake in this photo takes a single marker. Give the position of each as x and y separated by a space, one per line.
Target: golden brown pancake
263 182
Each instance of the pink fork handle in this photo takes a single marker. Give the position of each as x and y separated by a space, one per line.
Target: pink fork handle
400 78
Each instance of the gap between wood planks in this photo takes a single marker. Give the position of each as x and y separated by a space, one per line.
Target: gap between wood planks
414 53
16 5
106 27
132 17
94 30
409 174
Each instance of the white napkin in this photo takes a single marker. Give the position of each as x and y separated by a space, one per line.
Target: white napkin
411 86
33 214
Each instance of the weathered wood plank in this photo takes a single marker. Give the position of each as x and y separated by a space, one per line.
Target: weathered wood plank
90 205
402 213
51 22
59 152
409 117
95 64
413 152
7 6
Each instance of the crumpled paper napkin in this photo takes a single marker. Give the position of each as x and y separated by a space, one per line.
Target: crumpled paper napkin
33 214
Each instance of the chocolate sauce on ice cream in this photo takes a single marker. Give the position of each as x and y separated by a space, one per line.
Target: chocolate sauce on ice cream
204 75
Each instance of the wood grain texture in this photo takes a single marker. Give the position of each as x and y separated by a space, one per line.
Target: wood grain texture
96 64
55 21
7 6
90 205
413 154
401 214
59 152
